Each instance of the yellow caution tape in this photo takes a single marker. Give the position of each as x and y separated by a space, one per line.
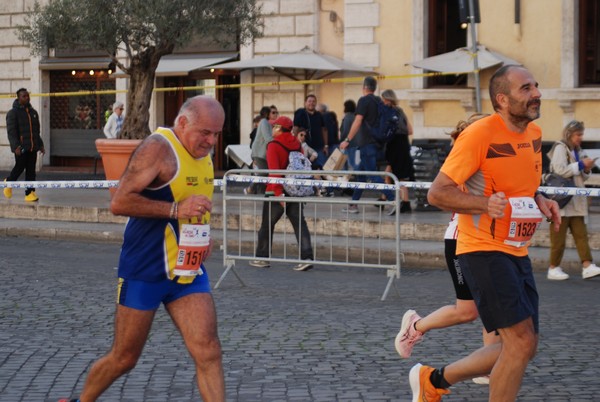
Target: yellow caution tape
250 85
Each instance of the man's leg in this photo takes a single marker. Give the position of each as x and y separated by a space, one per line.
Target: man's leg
368 163
357 193
202 341
295 214
20 164
131 330
506 361
272 212
504 290
31 160
519 344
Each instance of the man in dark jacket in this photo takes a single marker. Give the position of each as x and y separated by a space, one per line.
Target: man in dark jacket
23 128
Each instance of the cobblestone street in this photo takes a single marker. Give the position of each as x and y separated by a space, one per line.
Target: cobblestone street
321 335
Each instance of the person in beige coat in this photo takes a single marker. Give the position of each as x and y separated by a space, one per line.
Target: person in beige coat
567 159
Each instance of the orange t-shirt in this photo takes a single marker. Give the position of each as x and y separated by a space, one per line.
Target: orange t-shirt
488 158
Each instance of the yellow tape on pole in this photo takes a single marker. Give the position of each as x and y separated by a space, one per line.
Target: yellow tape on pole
249 85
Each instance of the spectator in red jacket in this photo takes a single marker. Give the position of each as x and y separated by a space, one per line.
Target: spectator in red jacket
278 152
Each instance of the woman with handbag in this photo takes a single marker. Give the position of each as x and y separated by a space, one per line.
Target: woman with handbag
569 161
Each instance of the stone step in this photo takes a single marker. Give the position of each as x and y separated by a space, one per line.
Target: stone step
324 224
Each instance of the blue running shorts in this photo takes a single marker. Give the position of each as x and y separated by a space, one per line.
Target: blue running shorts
143 295
503 288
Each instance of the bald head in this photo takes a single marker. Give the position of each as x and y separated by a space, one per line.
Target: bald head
500 83
198 106
198 124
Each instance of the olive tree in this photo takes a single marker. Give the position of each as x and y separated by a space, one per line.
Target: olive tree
144 30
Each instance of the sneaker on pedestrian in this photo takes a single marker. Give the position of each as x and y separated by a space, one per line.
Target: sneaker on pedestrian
405 207
392 211
7 191
382 199
259 263
31 197
248 190
483 380
591 271
304 266
408 336
557 274
350 209
421 386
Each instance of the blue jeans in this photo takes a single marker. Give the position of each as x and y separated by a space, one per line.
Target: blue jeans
272 212
368 163
321 158
352 152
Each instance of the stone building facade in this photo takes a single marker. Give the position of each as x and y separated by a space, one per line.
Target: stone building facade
384 35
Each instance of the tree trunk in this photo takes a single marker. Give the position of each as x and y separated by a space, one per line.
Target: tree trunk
141 84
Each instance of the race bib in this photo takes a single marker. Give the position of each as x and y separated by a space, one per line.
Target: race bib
194 245
525 219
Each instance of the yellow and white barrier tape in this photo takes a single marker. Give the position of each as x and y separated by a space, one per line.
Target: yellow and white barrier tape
243 179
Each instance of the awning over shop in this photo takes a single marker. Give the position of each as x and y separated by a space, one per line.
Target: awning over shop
177 65
75 63
461 60
173 65
315 65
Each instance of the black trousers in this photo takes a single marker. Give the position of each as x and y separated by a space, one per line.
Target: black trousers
272 212
24 162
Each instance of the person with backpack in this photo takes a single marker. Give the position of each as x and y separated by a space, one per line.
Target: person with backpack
367 115
278 156
397 150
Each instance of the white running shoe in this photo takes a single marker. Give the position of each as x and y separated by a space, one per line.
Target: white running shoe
591 271
259 264
557 274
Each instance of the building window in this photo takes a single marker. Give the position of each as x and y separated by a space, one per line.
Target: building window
80 112
445 35
589 43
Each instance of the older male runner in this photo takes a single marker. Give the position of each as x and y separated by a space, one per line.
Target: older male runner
498 159
167 190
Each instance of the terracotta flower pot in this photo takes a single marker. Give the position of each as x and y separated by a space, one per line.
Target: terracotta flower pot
115 155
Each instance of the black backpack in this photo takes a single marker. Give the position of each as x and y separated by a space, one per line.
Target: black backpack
390 123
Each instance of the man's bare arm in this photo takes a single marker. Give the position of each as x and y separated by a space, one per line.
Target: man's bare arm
143 170
445 194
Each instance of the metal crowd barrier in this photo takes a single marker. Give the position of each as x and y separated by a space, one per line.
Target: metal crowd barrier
368 240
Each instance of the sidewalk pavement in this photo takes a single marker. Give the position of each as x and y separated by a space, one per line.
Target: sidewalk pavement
84 214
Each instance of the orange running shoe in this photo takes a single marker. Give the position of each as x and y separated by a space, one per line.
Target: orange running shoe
422 388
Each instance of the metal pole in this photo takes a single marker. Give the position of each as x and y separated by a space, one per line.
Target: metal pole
475 58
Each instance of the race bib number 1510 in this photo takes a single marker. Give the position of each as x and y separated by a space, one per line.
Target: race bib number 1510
194 245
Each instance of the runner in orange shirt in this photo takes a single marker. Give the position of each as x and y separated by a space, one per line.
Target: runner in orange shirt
498 160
